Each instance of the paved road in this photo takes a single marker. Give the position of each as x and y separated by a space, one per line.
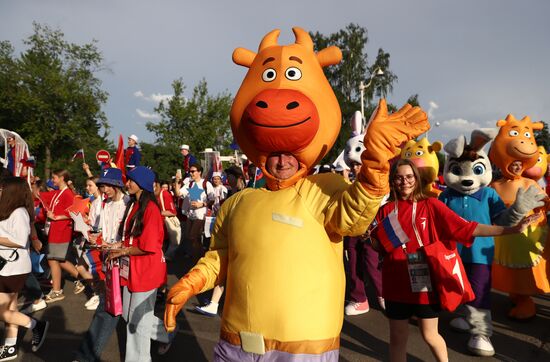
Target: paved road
364 338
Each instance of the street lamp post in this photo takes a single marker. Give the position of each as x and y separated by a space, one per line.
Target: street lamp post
362 86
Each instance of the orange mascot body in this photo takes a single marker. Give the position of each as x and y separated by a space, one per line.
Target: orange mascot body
519 266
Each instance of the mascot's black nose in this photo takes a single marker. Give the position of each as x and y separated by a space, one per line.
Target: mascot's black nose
467 182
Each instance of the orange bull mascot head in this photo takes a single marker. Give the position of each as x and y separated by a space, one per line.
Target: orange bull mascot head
286 104
515 142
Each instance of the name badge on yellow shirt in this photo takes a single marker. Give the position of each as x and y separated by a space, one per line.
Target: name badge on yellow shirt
252 342
289 220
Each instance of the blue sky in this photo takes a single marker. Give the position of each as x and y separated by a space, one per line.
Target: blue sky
471 62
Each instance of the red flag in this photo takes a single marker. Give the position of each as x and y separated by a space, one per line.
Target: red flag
80 205
119 158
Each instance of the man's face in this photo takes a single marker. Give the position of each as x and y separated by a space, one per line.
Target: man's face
11 141
184 152
282 165
131 142
195 173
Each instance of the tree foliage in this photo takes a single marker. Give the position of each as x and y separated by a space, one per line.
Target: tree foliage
51 96
346 77
543 137
201 121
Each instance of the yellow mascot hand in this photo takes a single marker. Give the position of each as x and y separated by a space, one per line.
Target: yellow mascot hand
385 133
188 286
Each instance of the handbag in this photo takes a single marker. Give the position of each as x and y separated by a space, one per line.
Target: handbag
448 275
446 271
113 296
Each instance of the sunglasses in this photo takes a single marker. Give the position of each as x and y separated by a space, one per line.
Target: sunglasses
193 171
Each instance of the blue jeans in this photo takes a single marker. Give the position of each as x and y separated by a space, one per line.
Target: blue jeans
102 327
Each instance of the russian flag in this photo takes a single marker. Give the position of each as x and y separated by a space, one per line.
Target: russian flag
390 234
78 154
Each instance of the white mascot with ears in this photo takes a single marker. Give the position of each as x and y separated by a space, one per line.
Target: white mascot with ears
279 249
467 174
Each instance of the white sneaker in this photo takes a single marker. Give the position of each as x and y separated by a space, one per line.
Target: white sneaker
481 346
356 308
92 303
211 309
34 307
460 325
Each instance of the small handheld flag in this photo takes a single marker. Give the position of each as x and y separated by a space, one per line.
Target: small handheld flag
78 154
389 232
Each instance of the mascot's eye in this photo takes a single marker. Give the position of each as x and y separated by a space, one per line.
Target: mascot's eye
478 169
456 170
293 73
539 160
408 154
358 149
527 134
269 75
419 153
513 133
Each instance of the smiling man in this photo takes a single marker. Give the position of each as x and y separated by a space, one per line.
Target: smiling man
279 249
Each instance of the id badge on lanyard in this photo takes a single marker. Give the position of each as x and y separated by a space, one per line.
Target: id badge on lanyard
419 273
124 265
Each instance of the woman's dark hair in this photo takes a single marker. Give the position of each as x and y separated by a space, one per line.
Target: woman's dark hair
94 179
235 171
417 194
136 222
15 193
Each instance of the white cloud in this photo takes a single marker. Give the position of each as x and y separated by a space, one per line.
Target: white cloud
459 124
154 97
146 115
433 106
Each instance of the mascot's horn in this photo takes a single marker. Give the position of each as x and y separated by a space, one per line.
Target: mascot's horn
303 38
269 40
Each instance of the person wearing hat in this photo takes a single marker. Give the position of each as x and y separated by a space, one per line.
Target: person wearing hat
103 323
142 266
132 155
188 159
220 192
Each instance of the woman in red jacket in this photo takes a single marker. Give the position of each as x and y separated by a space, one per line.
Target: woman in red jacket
411 218
142 266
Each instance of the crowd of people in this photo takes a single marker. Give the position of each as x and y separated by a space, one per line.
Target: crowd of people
141 223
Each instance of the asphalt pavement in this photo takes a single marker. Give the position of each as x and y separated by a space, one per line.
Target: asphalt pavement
364 337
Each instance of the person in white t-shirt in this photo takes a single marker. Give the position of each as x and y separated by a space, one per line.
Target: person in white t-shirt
197 193
16 210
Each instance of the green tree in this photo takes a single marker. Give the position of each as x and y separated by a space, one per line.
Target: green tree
346 77
201 121
52 97
543 137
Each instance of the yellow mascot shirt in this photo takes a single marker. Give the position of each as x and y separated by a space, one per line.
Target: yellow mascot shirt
285 258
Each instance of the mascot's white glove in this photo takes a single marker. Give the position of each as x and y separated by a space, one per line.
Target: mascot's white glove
526 200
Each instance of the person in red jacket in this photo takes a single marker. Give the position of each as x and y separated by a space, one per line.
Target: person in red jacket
60 233
142 266
406 221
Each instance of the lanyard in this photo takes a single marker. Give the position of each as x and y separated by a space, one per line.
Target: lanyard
413 220
56 198
126 224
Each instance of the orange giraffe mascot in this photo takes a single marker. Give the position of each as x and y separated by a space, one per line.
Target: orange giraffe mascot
520 263
279 249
